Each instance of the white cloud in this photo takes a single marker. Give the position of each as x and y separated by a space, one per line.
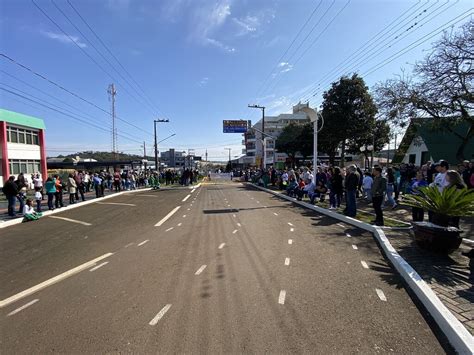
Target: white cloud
204 81
63 38
246 25
218 44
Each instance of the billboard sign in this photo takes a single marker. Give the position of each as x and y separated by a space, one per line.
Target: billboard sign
235 126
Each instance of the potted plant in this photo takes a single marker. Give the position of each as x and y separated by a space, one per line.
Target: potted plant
443 234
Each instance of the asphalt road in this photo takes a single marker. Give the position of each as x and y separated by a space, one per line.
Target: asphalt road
232 270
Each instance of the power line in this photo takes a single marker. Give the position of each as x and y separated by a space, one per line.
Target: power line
70 92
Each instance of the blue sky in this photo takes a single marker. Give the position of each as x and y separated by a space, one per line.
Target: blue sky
199 62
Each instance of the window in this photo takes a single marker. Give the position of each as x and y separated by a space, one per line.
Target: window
24 166
23 136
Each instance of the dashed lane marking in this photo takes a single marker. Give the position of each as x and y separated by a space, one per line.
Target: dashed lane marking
290 224
287 261
19 309
184 199
169 229
52 281
168 216
381 294
193 190
364 264
201 269
276 214
281 298
341 225
71 220
144 242
180 224
115 203
129 244
222 245
239 225
354 247
292 229
160 315
99 266
348 235
235 231
290 241
234 215
184 216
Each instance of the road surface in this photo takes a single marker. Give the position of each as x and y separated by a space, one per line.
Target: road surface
222 268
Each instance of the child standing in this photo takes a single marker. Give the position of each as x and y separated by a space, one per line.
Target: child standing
38 198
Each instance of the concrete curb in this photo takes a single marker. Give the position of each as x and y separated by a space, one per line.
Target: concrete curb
71 207
458 336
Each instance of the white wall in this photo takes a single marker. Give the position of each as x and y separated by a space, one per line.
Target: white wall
23 151
416 147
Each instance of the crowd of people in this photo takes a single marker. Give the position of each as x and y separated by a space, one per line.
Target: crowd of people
380 186
76 184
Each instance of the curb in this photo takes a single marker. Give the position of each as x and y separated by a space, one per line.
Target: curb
458 336
70 207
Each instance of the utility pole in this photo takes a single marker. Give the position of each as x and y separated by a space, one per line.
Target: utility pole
156 144
144 154
230 163
263 129
112 92
206 155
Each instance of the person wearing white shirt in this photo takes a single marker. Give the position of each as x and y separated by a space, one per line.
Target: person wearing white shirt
29 212
440 180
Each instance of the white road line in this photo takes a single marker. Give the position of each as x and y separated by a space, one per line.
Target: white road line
258 201
99 266
228 205
276 214
145 241
169 229
290 241
287 261
381 294
239 225
71 220
19 309
180 224
364 264
201 269
165 218
281 298
264 206
184 216
115 203
129 244
354 247
341 225
222 245
290 224
189 209
235 231
193 190
52 281
160 315
184 199
348 235
234 215
292 229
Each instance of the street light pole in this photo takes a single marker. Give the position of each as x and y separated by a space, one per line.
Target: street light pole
156 144
263 129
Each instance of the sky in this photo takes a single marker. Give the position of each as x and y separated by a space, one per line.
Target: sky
198 62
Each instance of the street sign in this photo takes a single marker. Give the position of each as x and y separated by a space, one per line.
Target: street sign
235 126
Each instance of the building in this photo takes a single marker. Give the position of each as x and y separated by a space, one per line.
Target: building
172 159
255 149
422 143
22 145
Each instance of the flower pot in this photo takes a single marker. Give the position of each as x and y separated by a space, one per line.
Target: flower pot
436 238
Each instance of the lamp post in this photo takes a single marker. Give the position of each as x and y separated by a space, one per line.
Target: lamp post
156 144
263 128
313 117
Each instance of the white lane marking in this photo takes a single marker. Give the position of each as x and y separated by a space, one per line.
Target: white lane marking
180 224
228 205
354 247
189 209
71 220
290 224
169 229
52 281
264 206
290 241
160 315
184 216
234 215
258 201
341 225
145 241
251 198
235 231
115 203
19 309
184 199
276 214
287 261
348 235
222 245
165 218
201 269
193 190
129 244
239 225
381 294
99 266
281 298
292 229
364 264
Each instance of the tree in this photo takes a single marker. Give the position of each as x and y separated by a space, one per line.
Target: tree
288 141
440 89
348 111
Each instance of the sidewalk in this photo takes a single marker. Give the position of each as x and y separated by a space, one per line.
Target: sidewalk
451 277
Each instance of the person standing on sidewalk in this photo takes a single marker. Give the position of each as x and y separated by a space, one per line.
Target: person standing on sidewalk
10 189
367 186
379 187
351 185
418 214
50 188
71 186
58 201
391 182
